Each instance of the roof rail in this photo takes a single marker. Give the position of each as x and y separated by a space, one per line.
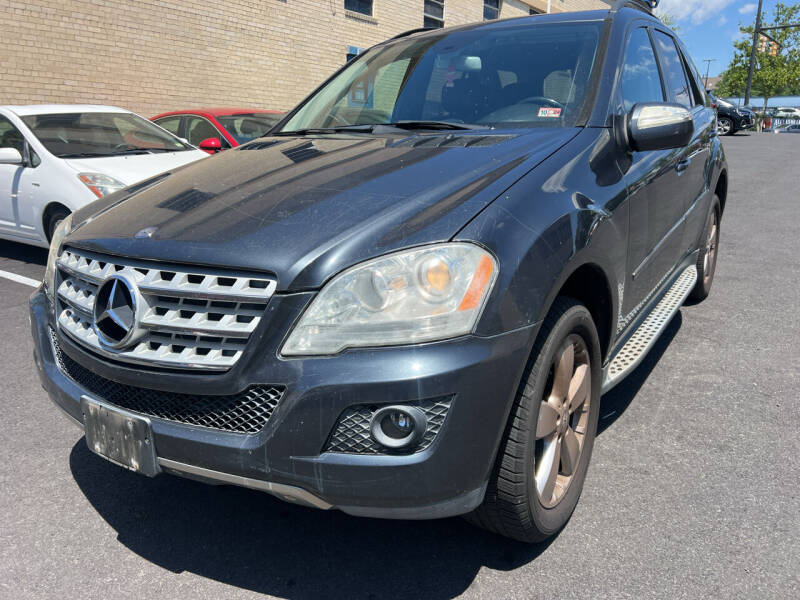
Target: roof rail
644 5
412 32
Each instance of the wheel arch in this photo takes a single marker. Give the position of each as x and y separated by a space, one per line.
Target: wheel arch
588 282
48 211
721 189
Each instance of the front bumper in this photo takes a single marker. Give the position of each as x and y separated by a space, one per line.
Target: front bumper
287 456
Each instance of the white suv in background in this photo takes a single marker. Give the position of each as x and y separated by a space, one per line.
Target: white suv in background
55 159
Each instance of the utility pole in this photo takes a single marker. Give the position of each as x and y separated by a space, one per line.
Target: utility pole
753 51
708 62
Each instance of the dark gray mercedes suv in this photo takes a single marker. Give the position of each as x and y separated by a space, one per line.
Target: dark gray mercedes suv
407 300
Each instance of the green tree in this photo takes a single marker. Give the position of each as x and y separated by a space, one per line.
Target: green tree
773 75
669 21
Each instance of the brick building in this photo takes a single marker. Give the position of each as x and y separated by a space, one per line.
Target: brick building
156 55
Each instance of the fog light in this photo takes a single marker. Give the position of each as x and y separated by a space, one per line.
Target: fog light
398 426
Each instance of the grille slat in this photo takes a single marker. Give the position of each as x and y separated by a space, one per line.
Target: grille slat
351 434
245 412
184 306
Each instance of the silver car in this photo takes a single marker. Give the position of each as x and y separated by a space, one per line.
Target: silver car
788 129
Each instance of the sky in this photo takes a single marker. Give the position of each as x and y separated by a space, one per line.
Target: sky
709 27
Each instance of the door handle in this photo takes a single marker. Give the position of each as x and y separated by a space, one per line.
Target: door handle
683 165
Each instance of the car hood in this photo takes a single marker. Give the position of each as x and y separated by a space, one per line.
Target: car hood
305 208
132 168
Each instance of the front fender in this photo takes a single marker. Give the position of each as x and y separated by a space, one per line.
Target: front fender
564 215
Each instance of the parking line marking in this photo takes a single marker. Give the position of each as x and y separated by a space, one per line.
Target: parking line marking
20 278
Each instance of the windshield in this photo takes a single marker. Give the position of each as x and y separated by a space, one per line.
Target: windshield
530 75
95 134
246 127
725 103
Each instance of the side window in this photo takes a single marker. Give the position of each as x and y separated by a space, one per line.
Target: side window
199 129
10 136
640 81
696 82
171 124
674 76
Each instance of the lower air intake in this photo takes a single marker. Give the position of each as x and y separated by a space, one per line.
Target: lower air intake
245 412
352 435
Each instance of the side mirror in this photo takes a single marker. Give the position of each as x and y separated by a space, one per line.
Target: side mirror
659 126
210 145
10 156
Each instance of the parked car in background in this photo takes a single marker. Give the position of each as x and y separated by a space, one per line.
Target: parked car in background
731 119
55 159
788 129
785 112
215 129
407 301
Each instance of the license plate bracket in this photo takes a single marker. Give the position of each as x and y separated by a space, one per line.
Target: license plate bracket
120 436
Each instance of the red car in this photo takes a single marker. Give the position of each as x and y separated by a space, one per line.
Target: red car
215 129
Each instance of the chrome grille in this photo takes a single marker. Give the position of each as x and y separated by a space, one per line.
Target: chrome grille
193 318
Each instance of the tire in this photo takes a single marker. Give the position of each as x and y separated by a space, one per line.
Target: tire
513 505
54 217
709 250
725 126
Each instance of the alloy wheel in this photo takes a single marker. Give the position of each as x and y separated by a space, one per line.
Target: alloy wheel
563 421
724 126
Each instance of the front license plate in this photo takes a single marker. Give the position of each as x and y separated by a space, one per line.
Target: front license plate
120 436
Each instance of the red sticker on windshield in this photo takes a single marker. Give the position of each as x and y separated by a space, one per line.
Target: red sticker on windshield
548 111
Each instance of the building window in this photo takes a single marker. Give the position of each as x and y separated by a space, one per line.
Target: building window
352 52
491 9
434 13
360 6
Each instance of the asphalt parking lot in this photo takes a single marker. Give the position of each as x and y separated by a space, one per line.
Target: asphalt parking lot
693 489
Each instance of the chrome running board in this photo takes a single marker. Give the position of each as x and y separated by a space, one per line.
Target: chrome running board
639 344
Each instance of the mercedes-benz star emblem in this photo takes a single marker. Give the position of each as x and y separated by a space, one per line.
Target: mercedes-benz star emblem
115 311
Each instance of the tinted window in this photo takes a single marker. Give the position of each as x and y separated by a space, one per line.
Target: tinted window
697 83
674 76
246 127
100 134
530 76
10 136
199 129
171 124
640 81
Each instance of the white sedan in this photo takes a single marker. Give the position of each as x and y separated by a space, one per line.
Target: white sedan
785 112
54 159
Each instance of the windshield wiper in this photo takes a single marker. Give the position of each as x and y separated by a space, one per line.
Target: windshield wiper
413 125
106 154
325 130
82 155
407 125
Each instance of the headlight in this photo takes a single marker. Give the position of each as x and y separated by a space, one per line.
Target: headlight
431 293
55 246
101 185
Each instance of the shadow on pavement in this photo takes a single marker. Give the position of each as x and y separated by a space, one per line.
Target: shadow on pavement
615 402
253 541
22 253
